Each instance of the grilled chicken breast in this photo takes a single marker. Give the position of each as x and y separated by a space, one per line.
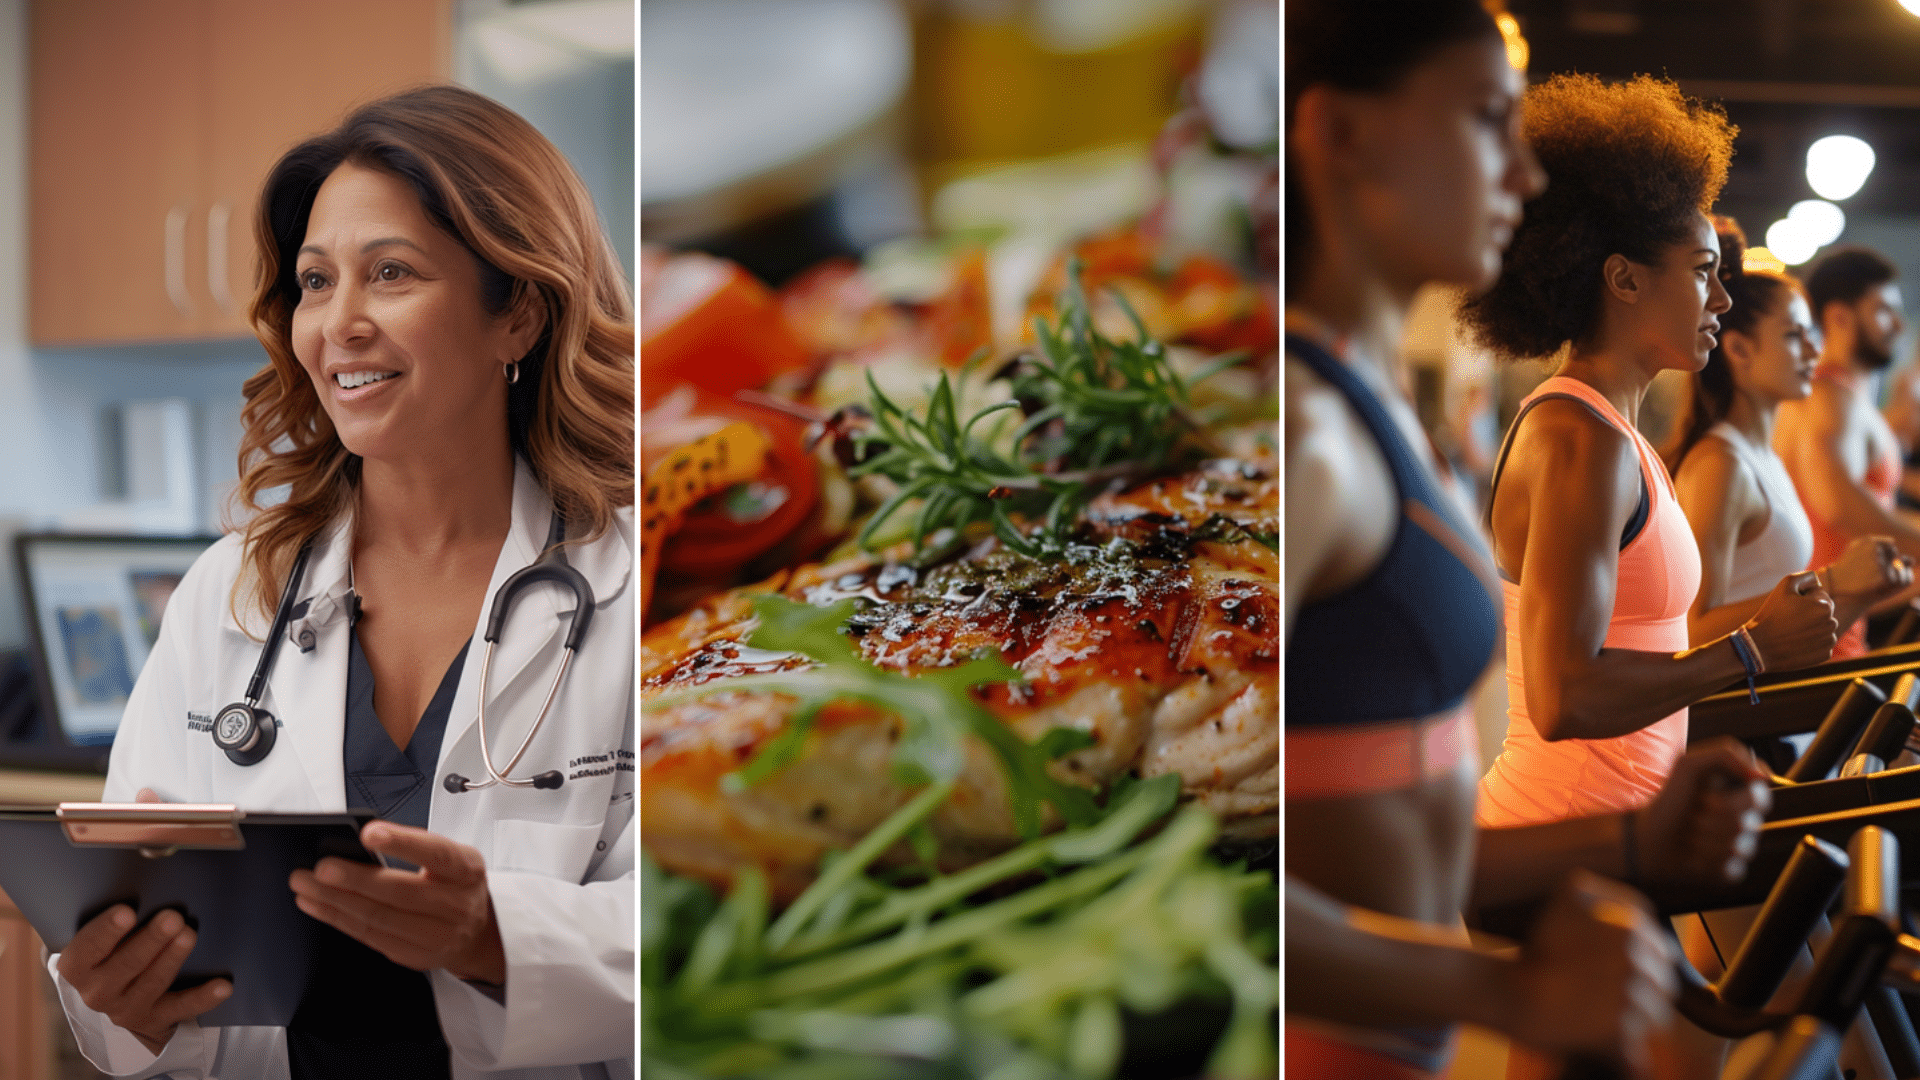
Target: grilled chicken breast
1159 637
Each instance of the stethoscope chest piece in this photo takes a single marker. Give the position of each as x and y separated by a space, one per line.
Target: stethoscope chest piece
245 733
244 730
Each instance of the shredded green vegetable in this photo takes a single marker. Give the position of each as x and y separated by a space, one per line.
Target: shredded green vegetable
929 981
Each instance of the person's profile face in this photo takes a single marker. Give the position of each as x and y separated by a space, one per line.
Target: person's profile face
1450 172
1877 315
1782 351
391 327
1679 310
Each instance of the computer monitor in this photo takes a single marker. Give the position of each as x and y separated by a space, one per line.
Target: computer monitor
93 608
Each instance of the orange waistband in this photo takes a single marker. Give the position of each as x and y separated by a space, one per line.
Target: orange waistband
1365 759
1312 1056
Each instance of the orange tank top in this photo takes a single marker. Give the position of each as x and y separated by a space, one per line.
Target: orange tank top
1535 781
1882 480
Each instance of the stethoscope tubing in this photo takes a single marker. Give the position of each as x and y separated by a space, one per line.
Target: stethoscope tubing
282 617
501 776
550 566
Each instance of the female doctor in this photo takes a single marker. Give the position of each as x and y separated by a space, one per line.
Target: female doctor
449 397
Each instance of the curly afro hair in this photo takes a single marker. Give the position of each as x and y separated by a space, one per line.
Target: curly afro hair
1628 167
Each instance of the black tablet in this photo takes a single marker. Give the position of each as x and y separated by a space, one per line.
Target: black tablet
224 870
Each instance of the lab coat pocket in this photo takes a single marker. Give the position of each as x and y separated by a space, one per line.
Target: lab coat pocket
544 848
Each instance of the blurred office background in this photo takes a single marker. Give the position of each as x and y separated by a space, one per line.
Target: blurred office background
133 138
122 344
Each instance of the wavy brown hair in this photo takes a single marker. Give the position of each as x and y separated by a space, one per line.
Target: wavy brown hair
488 179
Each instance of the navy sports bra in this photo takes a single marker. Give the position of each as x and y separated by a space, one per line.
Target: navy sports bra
1413 637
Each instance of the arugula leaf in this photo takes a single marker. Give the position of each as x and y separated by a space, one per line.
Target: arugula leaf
936 711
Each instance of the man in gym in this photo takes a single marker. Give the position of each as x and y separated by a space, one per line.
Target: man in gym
1840 451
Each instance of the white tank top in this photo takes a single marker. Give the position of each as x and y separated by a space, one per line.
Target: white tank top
1786 545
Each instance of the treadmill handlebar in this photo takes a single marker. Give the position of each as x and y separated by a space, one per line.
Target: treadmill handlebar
1808 1049
1803 893
1906 689
1865 943
1885 737
1839 730
1873 877
1903 966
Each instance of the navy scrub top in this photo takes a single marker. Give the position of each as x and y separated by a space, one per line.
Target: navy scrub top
362 1013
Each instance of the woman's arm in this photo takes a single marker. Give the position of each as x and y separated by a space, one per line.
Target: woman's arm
147 757
1579 481
1339 510
1702 826
1717 493
1354 966
1595 974
1869 577
569 951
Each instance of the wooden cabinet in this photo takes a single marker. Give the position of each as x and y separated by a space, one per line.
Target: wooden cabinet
152 124
29 1011
26 1051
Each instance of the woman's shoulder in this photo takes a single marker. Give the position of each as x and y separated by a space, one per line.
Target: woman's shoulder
203 596
616 539
217 567
1569 430
1717 477
1714 459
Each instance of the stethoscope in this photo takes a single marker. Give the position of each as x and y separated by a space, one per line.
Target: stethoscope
246 732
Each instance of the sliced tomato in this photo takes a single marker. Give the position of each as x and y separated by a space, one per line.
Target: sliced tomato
959 322
708 322
724 531
834 310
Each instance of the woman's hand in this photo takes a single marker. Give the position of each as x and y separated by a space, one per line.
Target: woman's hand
1869 571
1704 824
1595 975
439 916
126 975
1794 627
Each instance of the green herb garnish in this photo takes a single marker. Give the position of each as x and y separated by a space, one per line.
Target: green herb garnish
1097 410
933 981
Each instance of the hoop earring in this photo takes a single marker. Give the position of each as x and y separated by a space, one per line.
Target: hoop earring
513 372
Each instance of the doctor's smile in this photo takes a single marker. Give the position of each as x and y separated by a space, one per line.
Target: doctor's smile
422 634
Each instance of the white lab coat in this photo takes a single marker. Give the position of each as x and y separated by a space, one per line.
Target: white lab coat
560 863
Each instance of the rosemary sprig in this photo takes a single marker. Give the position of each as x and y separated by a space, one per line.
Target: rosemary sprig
1095 410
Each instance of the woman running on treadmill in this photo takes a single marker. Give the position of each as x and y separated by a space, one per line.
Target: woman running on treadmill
1747 518
1617 263
1405 167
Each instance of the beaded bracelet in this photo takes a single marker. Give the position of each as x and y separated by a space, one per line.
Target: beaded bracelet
1753 648
1749 658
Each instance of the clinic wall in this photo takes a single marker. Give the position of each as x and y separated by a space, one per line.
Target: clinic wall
54 402
22 461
